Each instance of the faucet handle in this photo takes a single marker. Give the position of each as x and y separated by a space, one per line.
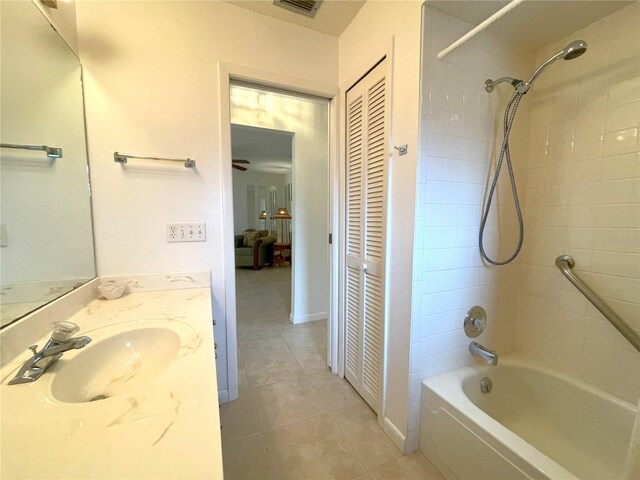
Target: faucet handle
475 321
63 331
480 323
34 349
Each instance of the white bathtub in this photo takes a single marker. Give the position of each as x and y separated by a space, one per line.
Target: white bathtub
535 423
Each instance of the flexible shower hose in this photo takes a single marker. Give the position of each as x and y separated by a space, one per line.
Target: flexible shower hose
509 116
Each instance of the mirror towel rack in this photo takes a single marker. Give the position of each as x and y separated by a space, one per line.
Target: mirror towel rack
123 157
52 152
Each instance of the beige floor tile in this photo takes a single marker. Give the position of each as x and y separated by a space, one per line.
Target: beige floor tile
251 320
246 460
272 293
407 467
271 368
303 335
365 476
271 307
253 347
239 359
278 321
257 332
243 381
321 325
360 425
239 419
285 403
311 359
334 392
276 316
312 449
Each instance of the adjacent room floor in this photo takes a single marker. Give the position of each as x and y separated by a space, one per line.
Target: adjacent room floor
293 418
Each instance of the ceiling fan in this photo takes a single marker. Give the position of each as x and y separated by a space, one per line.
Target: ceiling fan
236 161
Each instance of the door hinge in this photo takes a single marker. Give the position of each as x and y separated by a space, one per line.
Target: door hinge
330 238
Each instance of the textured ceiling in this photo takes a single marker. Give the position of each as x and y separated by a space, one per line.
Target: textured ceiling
268 150
535 23
332 16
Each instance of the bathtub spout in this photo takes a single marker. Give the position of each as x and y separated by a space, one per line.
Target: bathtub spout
489 356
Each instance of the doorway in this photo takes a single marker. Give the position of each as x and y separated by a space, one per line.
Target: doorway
280 164
229 74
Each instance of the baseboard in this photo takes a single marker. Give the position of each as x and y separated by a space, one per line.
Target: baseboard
312 317
394 434
411 443
223 396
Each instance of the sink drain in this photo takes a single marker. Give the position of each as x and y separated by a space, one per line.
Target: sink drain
98 397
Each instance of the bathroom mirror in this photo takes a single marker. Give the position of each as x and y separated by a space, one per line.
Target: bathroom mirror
45 210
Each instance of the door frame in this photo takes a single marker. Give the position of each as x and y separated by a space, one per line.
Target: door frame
228 72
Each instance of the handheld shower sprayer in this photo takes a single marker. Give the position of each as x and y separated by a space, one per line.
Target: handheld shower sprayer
572 50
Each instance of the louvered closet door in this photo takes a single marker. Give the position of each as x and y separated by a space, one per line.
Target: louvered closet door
367 153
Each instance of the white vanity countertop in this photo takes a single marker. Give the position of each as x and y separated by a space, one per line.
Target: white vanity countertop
165 426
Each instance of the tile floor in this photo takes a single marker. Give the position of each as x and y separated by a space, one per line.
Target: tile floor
293 418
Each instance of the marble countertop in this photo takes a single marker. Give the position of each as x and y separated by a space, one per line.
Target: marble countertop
166 426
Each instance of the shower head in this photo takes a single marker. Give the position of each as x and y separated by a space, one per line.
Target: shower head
571 51
574 49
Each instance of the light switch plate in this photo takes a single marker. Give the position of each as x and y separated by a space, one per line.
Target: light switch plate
186 232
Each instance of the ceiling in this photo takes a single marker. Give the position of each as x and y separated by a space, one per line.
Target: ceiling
332 16
535 23
269 151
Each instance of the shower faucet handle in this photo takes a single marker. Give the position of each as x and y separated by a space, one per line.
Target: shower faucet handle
475 321
479 323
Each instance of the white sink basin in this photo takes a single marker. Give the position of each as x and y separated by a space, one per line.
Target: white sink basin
115 365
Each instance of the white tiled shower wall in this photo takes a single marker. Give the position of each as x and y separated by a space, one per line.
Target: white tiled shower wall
578 172
583 199
460 126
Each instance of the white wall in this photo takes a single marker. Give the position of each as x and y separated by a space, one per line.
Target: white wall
241 209
583 199
151 77
45 203
459 142
308 119
63 19
362 44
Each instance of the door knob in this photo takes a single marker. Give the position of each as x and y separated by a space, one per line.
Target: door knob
364 268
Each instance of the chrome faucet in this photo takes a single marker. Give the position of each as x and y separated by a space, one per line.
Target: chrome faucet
489 356
59 343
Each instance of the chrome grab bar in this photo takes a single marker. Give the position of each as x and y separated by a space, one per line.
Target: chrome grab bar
565 263
122 158
52 152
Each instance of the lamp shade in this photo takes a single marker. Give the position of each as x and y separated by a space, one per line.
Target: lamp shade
263 215
282 213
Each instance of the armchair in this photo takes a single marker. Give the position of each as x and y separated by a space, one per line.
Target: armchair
258 255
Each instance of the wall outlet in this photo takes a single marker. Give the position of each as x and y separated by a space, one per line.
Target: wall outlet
186 232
